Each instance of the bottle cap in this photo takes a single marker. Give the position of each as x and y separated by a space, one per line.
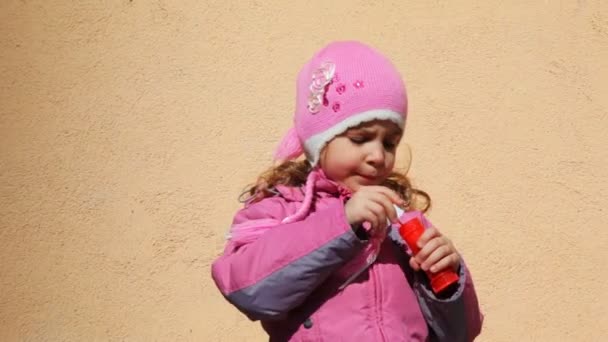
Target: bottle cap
410 231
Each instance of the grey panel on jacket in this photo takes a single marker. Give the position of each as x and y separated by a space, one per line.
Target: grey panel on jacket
445 317
270 298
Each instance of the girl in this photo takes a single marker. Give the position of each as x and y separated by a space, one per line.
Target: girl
312 255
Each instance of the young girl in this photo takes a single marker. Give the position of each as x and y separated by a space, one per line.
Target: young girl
312 255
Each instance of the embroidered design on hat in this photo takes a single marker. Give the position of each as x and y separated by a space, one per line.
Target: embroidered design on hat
341 88
336 107
321 78
358 84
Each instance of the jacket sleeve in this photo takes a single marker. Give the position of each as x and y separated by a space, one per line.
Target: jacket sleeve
456 318
274 273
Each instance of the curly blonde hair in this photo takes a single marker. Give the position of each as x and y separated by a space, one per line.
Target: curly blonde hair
294 173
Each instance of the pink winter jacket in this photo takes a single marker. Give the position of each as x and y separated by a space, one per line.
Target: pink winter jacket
292 278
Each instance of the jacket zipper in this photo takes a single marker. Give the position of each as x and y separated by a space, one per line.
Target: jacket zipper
368 263
376 285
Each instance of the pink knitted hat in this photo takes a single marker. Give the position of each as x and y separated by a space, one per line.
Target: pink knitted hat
343 85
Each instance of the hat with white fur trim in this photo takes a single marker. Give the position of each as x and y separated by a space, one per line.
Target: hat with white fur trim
344 85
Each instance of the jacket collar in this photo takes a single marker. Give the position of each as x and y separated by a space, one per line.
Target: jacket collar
323 187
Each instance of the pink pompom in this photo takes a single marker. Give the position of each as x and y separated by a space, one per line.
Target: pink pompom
290 146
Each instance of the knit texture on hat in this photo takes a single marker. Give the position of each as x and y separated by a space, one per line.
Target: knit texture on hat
343 85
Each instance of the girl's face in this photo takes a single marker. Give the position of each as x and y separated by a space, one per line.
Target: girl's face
363 155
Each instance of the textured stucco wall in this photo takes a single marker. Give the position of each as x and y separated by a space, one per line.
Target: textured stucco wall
127 130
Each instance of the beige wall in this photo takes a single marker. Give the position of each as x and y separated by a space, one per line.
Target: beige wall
128 129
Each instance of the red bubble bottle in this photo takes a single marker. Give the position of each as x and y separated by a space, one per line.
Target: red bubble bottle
410 231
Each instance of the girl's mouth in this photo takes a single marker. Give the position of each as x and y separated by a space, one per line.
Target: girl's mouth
369 178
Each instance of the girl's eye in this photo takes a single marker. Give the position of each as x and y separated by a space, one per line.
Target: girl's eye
358 140
389 145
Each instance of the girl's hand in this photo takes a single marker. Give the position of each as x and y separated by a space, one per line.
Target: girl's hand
373 204
437 253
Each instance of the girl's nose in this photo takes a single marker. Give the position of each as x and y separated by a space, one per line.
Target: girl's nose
376 155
